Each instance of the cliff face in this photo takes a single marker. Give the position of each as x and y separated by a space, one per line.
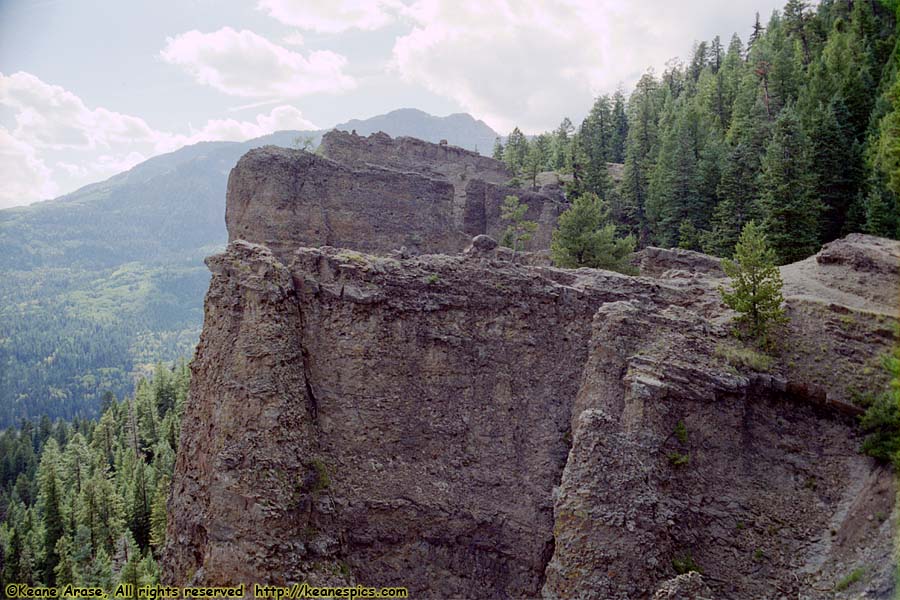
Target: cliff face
376 195
471 426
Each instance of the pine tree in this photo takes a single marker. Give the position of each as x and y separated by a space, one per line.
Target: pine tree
131 571
640 157
99 572
561 152
757 33
887 148
533 164
50 502
585 238
497 153
515 151
64 572
755 284
738 204
797 20
882 216
790 211
786 73
674 193
158 515
139 514
619 129
595 139
836 166
519 230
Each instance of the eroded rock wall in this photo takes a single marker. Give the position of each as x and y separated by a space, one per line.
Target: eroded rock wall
438 161
468 426
478 426
681 461
429 390
285 199
376 195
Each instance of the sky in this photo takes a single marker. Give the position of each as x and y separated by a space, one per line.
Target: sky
90 88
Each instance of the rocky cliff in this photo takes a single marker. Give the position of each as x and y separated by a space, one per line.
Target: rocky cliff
376 194
471 426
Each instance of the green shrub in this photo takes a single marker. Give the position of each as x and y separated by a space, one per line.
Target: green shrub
323 481
881 420
685 564
676 459
681 432
854 576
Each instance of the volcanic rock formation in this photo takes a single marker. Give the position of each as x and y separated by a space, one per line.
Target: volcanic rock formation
377 194
474 426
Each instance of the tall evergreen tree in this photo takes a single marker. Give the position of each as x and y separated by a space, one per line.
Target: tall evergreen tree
640 158
54 525
757 33
673 191
619 129
561 151
790 210
515 151
836 165
497 152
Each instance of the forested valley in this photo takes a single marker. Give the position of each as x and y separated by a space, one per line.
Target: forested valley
84 502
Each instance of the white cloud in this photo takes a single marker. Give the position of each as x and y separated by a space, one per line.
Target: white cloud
531 62
280 118
243 63
60 144
48 116
25 177
294 39
331 16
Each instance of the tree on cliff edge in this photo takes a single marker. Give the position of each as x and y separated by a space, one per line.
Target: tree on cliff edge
519 230
756 284
585 238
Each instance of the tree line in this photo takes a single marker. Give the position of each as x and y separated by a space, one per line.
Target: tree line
797 129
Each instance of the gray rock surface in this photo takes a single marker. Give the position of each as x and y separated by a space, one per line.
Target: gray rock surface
479 426
376 194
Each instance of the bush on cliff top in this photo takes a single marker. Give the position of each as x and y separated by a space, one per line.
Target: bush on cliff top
882 419
585 237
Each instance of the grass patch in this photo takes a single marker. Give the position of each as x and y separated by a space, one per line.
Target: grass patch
323 481
854 576
745 358
353 258
432 279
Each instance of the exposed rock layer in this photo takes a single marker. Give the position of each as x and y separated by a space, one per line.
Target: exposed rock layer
376 195
470 426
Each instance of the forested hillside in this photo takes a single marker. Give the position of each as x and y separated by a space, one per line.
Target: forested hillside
85 502
100 284
798 127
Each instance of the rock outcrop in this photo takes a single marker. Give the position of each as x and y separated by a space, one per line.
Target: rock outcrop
376 194
475 426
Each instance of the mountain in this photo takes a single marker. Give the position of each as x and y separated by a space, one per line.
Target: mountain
459 129
101 283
